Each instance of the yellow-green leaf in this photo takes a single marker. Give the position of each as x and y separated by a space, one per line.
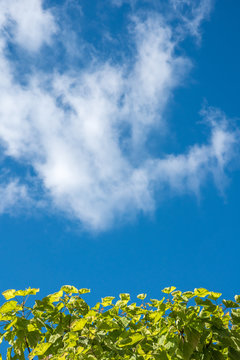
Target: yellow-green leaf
10 306
107 301
133 339
214 295
55 296
40 349
78 324
80 350
9 294
125 297
142 296
29 291
201 292
9 350
84 291
168 290
69 289
237 298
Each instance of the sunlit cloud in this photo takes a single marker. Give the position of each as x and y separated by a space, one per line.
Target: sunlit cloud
85 131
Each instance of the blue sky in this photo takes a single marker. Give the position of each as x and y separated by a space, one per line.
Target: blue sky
119 145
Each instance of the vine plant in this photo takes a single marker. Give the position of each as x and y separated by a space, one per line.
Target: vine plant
192 325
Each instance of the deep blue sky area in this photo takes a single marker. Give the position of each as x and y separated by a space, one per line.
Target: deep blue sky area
189 241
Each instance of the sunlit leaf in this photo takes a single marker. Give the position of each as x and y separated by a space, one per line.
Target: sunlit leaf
9 294
237 298
40 349
142 296
131 340
84 291
55 296
165 329
68 289
30 291
168 290
10 306
201 292
107 301
214 295
78 324
125 297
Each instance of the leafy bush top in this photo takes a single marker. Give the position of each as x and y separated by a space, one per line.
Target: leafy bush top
61 326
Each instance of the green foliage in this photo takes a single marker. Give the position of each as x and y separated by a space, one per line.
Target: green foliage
62 326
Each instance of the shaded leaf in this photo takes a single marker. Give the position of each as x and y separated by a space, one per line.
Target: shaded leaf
230 304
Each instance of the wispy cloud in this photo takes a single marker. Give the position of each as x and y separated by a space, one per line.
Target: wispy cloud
12 195
192 13
85 131
188 172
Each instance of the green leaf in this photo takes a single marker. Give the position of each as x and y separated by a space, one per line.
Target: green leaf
217 355
68 289
10 306
124 321
125 297
33 337
193 338
201 292
188 294
205 303
168 290
91 357
9 294
107 301
161 330
54 338
142 296
29 291
55 296
230 304
84 291
78 324
9 351
176 293
233 354
237 298
39 350
81 306
131 340
214 295
163 356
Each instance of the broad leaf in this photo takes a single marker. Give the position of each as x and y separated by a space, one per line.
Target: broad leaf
168 290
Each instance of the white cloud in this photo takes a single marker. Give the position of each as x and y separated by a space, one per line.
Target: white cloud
156 72
85 133
188 172
12 196
29 24
192 13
